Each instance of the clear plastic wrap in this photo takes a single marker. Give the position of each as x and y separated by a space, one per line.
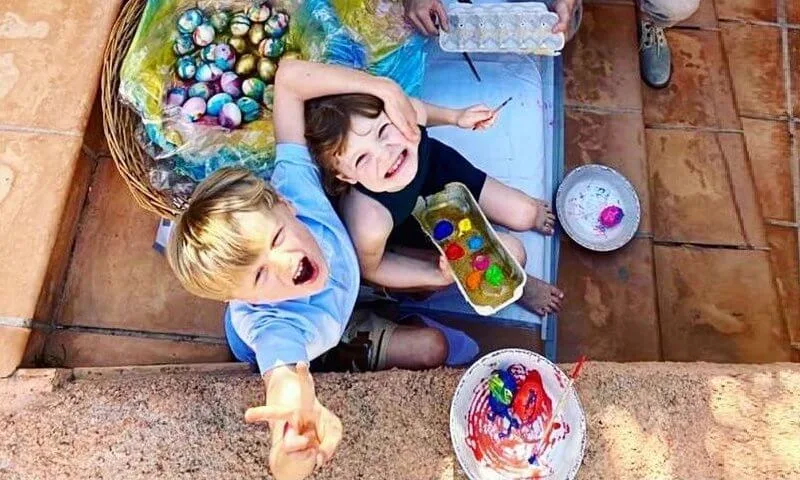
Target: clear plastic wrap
174 50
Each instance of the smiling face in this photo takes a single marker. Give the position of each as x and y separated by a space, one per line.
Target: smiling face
290 263
377 155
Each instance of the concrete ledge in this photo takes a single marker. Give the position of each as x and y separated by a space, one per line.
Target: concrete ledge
646 421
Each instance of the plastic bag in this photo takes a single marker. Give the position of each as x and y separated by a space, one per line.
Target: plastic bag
363 34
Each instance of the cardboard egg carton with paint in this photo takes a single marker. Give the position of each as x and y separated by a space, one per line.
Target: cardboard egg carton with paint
489 277
525 27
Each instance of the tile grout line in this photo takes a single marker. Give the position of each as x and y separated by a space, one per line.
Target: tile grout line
781 223
45 131
582 107
687 128
119 332
712 246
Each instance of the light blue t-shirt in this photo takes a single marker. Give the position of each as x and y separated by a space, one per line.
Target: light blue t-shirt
299 330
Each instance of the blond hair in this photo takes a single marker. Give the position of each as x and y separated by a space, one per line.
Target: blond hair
213 242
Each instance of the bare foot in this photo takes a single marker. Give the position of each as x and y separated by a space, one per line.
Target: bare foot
545 218
540 297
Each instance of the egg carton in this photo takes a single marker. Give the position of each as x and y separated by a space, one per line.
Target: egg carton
503 28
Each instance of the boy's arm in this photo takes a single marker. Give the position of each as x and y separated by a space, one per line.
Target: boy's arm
298 81
433 115
370 226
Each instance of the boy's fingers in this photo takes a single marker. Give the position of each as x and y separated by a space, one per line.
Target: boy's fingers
330 434
292 442
427 22
268 413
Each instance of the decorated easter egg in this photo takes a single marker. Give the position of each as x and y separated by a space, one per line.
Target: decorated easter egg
256 34
239 44
189 20
246 64
230 116
271 47
267 69
253 88
611 216
276 25
185 67
193 109
250 109
208 72
475 242
183 45
269 97
494 275
480 262
240 24
200 89
207 52
216 103
176 96
220 20
203 35
224 57
453 251
259 13
474 280
231 84
442 230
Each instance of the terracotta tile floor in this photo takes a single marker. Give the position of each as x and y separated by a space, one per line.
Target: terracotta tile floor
714 273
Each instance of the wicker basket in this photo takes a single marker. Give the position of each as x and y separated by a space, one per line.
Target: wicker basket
120 121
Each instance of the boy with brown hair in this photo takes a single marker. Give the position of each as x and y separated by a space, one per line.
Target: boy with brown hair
281 257
378 173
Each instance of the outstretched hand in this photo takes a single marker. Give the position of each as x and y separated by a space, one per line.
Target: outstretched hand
310 432
399 109
425 14
476 117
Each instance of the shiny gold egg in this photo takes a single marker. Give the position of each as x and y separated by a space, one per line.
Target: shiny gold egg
267 69
239 44
256 33
246 64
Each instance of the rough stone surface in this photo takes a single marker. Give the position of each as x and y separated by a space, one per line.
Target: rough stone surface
646 421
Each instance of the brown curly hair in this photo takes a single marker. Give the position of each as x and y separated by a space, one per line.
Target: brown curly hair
328 121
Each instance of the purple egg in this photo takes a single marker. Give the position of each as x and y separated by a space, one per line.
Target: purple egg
194 108
231 84
176 96
230 116
224 57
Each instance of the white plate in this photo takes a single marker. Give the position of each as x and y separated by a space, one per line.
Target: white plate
584 193
481 449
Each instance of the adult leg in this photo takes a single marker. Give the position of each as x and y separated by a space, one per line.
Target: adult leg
655 58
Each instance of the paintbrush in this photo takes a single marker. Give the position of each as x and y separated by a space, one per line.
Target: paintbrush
494 112
562 402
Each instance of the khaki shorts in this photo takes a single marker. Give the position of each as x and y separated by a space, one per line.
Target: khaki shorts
365 323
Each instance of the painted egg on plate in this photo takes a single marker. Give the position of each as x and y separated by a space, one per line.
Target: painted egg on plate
176 96
259 13
200 89
203 35
253 88
220 20
190 20
186 68
230 116
231 84
240 24
216 103
269 97
208 72
183 44
271 47
277 24
224 57
193 109
267 69
239 44
250 109
246 64
256 34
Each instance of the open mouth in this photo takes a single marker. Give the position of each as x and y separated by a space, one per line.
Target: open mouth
305 272
401 159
